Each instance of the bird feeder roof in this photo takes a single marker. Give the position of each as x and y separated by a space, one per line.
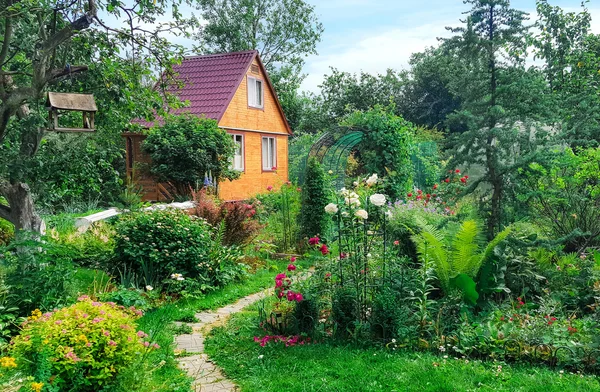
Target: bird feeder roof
71 101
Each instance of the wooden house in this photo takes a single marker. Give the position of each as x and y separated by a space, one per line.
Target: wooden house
235 90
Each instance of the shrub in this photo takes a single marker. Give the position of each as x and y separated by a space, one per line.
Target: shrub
127 297
312 219
306 314
344 311
84 347
186 148
7 232
278 211
240 226
40 274
389 319
94 248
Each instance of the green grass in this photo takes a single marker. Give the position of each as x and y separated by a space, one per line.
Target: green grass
324 367
89 281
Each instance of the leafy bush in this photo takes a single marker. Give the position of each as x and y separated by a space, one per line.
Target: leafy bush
238 218
127 297
84 347
7 232
565 197
315 195
40 274
306 314
389 317
93 248
278 211
186 148
154 245
344 311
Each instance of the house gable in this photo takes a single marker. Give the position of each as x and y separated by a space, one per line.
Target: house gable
240 115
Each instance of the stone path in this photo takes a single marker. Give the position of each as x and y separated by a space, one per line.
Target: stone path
207 376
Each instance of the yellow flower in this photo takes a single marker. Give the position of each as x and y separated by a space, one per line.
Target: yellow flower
36 314
580 64
37 386
8 362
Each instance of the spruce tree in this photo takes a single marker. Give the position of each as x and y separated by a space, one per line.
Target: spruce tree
502 102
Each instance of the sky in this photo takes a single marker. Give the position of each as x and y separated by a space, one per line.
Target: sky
375 35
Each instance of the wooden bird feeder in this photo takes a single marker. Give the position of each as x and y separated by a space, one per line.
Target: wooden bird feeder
83 103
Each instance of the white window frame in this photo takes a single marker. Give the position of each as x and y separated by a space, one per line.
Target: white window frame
253 95
270 154
242 151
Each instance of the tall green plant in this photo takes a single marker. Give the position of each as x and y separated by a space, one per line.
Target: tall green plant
315 196
457 258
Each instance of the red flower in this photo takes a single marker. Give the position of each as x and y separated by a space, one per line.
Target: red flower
328 275
270 188
314 241
343 255
396 242
324 250
428 196
420 192
466 176
435 186
291 296
463 180
291 267
409 195
447 180
299 297
293 259
419 197
457 171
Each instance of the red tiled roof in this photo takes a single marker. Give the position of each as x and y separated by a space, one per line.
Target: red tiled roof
208 83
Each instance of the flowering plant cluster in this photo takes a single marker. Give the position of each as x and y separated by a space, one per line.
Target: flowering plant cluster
283 285
96 339
287 340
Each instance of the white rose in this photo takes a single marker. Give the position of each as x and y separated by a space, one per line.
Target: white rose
149 288
377 199
372 180
355 183
331 209
353 201
362 214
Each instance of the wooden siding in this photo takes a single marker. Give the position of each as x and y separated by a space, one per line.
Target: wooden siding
268 120
254 180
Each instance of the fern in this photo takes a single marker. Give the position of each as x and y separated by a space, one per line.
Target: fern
465 247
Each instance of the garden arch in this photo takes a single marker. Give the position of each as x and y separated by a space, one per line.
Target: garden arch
332 151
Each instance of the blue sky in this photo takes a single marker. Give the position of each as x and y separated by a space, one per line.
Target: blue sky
379 34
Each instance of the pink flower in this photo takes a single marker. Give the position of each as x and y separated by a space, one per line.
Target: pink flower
278 283
299 297
146 344
280 277
106 333
291 267
112 343
291 296
328 275
343 255
155 345
97 320
83 298
280 294
324 249
58 322
141 334
314 241
396 242
293 259
270 188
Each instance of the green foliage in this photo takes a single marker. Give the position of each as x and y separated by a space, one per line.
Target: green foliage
299 147
156 244
390 319
127 297
564 194
344 306
7 232
456 258
84 346
93 248
286 30
315 195
306 314
386 147
40 274
186 149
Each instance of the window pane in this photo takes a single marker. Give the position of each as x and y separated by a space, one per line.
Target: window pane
251 92
272 144
259 93
265 153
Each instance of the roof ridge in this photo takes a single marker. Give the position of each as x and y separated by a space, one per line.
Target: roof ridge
225 54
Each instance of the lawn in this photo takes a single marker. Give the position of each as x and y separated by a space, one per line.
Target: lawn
325 367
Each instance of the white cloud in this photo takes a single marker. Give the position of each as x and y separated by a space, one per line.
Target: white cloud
373 53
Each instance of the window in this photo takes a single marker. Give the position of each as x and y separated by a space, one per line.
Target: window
269 153
238 156
255 93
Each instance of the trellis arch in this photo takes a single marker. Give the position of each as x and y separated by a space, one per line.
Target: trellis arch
333 148
332 151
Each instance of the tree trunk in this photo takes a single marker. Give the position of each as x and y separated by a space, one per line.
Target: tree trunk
21 210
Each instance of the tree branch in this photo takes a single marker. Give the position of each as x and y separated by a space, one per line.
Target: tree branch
8 30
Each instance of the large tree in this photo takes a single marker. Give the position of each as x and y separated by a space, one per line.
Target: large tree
502 102
42 43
